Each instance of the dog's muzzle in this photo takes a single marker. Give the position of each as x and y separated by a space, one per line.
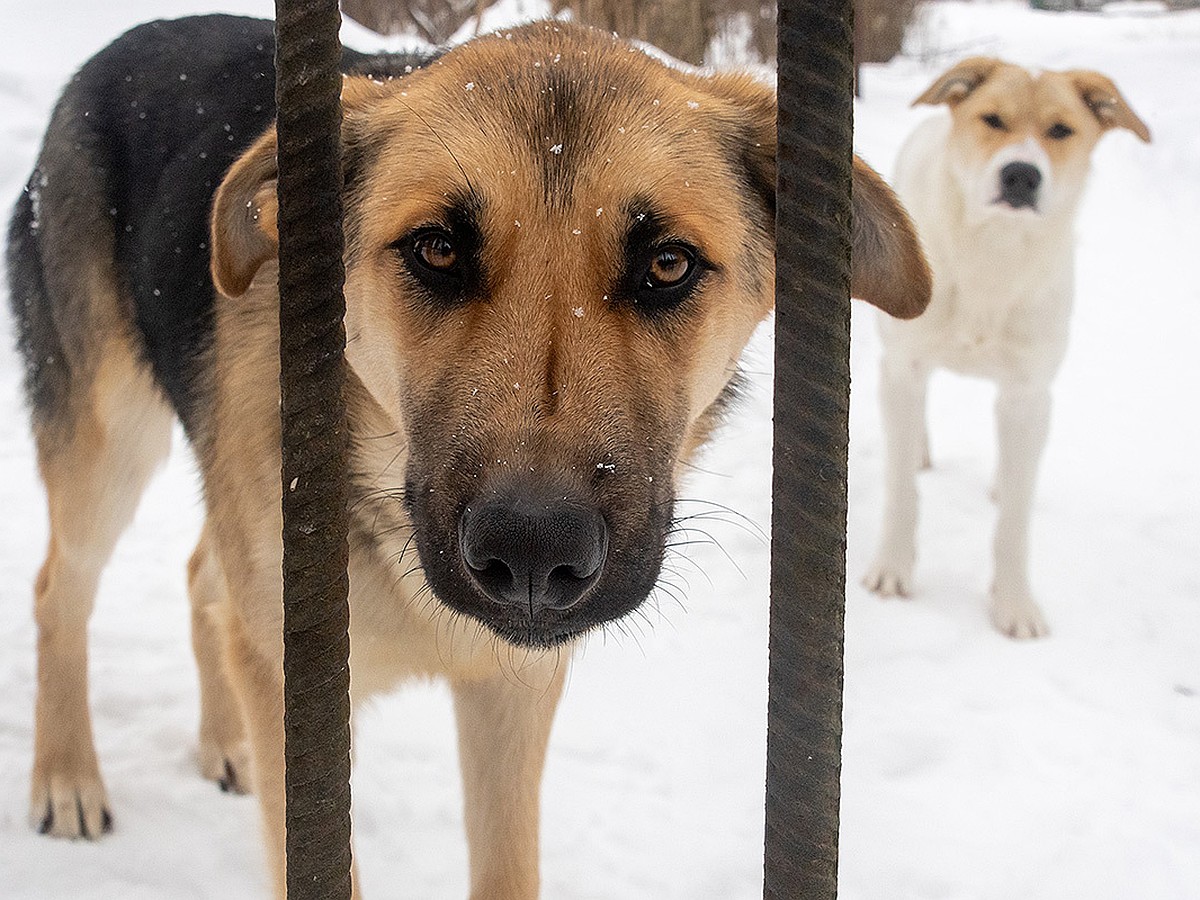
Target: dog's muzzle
532 547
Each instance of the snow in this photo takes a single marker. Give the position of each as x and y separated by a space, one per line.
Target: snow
975 767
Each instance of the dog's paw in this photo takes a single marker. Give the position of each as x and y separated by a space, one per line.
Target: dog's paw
1016 615
70 805
889 579
228 766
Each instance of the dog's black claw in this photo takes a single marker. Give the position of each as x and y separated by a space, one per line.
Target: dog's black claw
228 782
106 821
47 821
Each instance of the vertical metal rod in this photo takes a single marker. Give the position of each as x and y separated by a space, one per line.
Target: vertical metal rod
312 341
812 384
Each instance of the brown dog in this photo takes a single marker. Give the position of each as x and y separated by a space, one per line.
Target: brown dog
557 249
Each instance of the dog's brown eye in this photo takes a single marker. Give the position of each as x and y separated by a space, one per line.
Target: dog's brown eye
991 120
442 259
661 270
435 250
1058 131
671 266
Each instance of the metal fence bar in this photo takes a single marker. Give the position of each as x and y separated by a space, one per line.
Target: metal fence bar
312 341
812 385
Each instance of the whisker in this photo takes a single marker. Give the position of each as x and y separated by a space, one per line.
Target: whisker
683 557
707 539
738 518
687 464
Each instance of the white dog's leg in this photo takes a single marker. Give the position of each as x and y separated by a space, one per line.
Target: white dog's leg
1022 423
926 453
902 392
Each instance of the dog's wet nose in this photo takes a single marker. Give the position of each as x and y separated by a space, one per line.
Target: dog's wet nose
1019 183
529 545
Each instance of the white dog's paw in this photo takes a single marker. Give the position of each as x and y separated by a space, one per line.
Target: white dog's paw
1016 615
228 766
70 802
889 578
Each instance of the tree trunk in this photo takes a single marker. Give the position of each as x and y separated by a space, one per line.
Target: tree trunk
434 20
879 27
682 28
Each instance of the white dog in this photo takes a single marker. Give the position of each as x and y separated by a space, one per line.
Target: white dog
993 189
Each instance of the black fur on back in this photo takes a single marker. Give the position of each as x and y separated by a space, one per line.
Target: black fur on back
145 131
37 336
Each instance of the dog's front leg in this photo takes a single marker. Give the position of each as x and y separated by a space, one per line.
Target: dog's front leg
902 395
223 751
503 728
1022 424
258 679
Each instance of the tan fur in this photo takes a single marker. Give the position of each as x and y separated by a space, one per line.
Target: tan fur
546 373
883 264
223 751
94 468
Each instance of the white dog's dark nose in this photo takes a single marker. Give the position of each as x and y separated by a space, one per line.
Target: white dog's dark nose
1019 183
532 546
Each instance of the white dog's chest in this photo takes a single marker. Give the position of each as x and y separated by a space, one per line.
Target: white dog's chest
973 346
991 336
1001 336
1000 306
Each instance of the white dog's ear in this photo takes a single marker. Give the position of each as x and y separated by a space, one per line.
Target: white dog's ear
1106 103
888 267
245 233
958 83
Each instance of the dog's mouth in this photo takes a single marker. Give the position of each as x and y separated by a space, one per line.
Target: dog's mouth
1025 206
536 560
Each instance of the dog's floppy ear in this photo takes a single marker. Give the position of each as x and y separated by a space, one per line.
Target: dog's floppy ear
245 230
888 268
1106 103
245 233
887 265
956 84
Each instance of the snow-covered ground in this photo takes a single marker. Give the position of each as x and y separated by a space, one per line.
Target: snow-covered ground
975 767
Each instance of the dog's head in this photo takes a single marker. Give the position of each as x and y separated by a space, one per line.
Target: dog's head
557 249
1021 142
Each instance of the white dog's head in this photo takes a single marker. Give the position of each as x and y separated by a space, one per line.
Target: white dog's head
1021 141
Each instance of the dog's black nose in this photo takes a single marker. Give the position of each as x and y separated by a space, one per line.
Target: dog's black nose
530 545
1019 183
